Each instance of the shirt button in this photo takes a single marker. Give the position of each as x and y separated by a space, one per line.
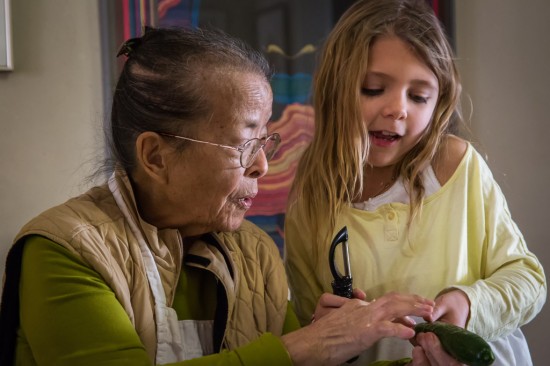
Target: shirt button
391 216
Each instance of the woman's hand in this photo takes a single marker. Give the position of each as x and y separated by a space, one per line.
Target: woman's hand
347 327
328 302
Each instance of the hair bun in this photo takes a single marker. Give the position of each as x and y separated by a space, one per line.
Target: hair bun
129 46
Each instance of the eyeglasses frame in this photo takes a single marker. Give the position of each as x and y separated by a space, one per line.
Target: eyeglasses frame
239 148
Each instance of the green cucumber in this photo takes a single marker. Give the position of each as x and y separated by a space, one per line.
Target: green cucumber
465 346
400 362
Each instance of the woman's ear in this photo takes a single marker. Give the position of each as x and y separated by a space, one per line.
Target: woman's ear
152 156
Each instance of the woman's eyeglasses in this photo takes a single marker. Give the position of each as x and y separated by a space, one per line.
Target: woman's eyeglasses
249 150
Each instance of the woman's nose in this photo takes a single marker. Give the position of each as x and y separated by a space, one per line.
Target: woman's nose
259 166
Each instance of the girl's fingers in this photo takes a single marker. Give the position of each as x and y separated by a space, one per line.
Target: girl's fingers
434 351
419 357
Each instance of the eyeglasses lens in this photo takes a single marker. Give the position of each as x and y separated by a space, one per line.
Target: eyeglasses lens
252 148
271 145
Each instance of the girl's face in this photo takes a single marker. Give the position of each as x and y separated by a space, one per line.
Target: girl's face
399 95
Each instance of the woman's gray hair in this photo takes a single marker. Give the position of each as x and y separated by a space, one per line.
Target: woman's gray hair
162 85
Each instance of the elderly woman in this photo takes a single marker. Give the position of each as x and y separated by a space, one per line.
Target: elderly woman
158 265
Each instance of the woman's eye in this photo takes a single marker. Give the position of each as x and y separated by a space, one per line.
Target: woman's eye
371 92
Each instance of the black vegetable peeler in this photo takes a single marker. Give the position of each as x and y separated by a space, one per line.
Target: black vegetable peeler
342 284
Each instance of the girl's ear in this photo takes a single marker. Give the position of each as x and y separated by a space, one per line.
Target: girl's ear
152 156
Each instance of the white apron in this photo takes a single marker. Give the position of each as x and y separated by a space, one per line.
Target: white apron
176 340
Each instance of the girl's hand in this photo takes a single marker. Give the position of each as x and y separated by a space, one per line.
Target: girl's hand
429 352
451 307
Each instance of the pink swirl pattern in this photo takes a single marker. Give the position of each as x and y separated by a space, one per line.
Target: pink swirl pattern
295 126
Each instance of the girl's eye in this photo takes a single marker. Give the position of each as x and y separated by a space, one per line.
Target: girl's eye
371 92
419 99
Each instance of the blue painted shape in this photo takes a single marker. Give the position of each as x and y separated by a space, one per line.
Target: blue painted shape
273 226
288 89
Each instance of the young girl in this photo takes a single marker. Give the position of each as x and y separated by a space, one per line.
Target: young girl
422 209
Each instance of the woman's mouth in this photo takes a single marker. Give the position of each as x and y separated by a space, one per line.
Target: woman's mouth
383 138
245 202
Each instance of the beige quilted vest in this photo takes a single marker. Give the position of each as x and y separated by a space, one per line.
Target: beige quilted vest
246 261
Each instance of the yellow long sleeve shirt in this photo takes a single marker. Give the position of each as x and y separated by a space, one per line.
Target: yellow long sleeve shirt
465 238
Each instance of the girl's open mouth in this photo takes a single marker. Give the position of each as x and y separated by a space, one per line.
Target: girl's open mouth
383 138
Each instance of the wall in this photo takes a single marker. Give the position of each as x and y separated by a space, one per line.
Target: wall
50 109
503 49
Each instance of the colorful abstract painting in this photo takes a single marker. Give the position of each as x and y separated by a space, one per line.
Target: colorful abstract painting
295 126
289 33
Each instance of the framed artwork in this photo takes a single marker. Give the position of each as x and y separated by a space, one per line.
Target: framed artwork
444 9
6 60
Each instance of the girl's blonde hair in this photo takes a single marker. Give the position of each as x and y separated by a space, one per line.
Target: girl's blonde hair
330 173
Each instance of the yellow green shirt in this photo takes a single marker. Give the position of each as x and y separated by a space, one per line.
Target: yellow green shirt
69 316
465 238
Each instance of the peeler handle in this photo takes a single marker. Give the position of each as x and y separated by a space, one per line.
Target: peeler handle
342 284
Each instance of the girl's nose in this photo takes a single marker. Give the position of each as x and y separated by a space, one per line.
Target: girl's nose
396 108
